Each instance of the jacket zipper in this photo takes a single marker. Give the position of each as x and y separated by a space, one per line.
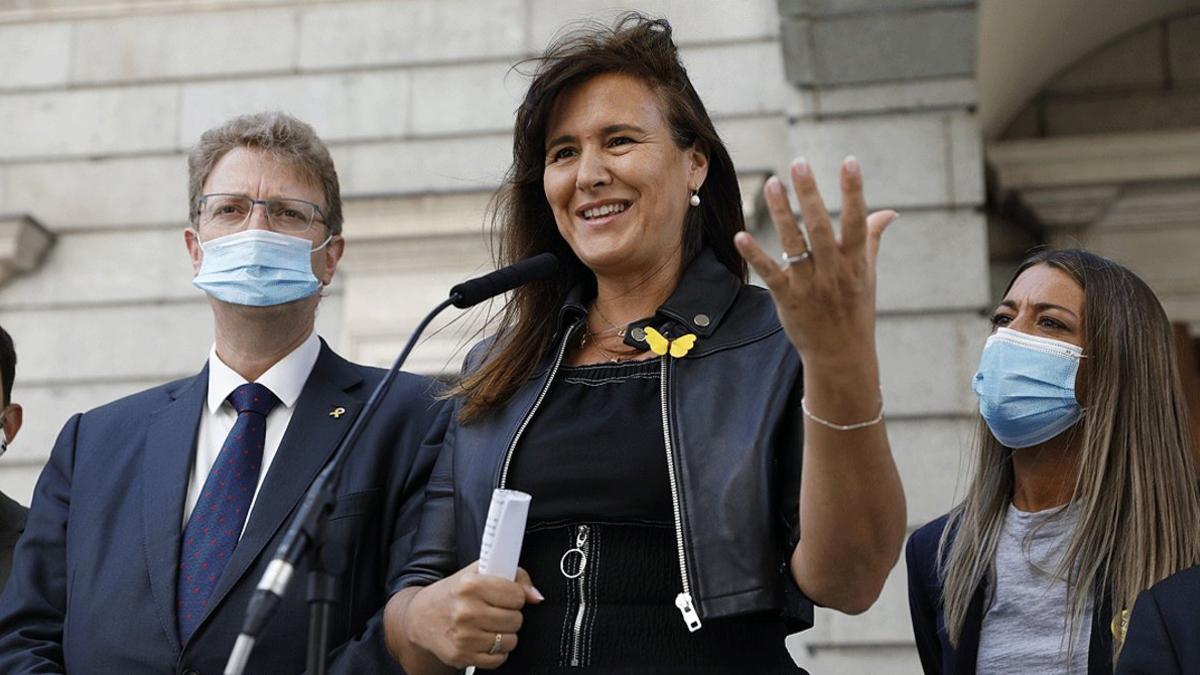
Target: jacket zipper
581 541
508 454
683 601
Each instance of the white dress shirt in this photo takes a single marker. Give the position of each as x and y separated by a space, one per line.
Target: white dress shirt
285 379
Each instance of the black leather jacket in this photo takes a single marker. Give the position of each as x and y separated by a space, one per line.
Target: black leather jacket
732 429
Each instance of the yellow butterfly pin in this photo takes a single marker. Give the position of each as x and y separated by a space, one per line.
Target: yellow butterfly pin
679 347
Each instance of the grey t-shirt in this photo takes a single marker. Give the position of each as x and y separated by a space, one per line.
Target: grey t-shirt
1026 626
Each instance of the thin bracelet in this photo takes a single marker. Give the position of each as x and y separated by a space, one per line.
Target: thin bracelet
842 427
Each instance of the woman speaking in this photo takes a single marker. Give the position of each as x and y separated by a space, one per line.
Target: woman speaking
654 403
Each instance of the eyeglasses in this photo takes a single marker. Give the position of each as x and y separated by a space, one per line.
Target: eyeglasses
226 213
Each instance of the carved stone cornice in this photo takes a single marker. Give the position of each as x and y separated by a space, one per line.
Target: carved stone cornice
1101 159
1070 206
23 245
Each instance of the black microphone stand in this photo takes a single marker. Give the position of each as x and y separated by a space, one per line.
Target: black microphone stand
307 527
305 530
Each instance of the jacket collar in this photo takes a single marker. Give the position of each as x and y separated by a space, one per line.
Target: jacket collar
705 293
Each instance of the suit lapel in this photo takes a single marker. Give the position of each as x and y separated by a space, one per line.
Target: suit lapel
309 442
167 458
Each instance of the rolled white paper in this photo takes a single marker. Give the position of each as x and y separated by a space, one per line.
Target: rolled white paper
504 533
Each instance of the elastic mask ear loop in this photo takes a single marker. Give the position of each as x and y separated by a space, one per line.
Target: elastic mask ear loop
199 242
1082 408
3 433
323 245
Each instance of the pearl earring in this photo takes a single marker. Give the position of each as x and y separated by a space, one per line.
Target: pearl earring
695 200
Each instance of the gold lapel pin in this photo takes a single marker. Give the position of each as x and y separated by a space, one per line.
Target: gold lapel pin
1120 624
337 413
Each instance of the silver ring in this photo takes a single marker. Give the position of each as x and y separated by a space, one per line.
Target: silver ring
789 259
495 645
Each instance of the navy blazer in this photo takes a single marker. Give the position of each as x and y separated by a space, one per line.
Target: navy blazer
929 623
12 524
1164 628
93 581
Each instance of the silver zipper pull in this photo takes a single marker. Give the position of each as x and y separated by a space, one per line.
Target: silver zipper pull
684 602
581 535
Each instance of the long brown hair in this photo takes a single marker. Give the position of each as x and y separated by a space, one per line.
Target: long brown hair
1135 491
635 45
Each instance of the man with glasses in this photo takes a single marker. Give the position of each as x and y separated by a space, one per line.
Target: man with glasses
12 514
157 514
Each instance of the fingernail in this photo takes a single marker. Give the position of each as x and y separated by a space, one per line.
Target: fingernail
774 185
800 167
537 594
851 164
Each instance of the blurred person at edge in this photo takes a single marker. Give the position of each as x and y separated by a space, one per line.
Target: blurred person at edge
12 514
1083 491
157 514
1164 627
650 399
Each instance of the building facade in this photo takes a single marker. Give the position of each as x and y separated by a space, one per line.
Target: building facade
991 126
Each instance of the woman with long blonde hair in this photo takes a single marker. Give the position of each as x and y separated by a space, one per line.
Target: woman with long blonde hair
1083 494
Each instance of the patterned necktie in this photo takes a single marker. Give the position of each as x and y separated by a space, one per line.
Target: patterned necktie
216 522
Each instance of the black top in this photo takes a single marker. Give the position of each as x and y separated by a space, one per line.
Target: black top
600 543
736 430
596 447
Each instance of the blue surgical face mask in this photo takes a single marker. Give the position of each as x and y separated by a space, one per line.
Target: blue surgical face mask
1026 387
258 268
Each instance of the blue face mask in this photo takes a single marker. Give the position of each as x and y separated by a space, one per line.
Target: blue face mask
1026 387
258 268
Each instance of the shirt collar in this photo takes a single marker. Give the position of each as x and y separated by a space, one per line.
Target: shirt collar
285 379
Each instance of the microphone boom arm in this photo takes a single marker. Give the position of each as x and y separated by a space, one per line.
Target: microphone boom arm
304 531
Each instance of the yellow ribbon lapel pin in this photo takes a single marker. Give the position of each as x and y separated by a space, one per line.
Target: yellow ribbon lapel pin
337 412
679 347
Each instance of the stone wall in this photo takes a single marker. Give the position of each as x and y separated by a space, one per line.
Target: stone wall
415 98
893 82
100 102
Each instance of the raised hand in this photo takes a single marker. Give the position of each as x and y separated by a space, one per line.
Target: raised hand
825 290
852 508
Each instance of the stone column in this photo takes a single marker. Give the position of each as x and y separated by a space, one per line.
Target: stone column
893 82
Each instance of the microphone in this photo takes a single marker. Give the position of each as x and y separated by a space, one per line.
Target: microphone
304 532
474 291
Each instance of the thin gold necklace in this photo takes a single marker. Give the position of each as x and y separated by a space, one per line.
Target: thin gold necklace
613 357
618 330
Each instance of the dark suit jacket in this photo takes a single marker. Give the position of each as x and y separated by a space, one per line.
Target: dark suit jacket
12 524
929 623
93 587
1164 628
